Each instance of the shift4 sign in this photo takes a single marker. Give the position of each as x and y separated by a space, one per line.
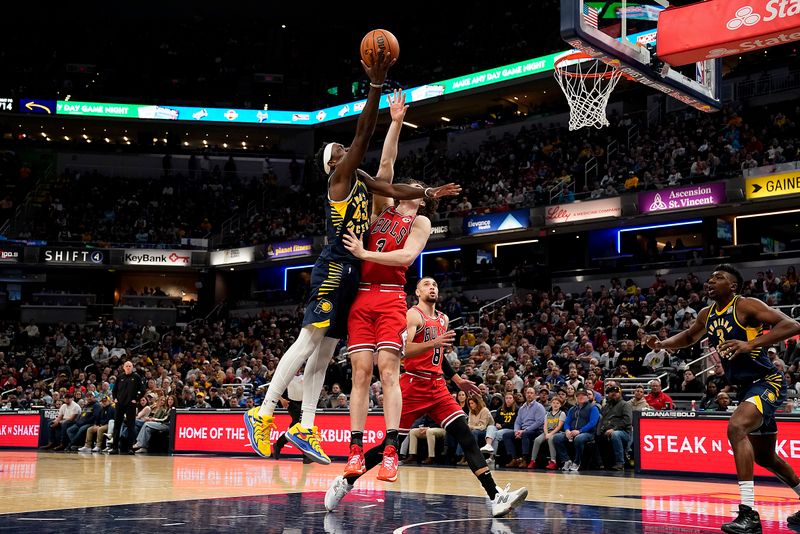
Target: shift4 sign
169 258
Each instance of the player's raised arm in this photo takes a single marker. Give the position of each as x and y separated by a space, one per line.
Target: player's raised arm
397 109
407 192
420 231
756 311
340 179
687 338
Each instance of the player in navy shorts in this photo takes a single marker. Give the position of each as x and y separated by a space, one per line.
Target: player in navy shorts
334 279
735 326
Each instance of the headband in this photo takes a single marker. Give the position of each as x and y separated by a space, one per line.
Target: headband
326 156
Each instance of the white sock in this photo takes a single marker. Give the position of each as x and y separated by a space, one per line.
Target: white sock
314 377
307 342
796 489
748 492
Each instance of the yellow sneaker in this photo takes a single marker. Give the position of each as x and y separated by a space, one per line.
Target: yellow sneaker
258 431
308 442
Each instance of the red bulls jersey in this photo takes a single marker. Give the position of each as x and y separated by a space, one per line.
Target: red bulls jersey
430 361
389 232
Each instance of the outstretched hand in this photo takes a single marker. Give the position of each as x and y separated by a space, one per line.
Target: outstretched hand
447 190
469 387
397 105
380 66
653 342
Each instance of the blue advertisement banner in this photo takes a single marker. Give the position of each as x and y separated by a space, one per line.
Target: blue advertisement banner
497 222
37 105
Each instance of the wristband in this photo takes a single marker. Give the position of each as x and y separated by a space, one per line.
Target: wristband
426 192
376 85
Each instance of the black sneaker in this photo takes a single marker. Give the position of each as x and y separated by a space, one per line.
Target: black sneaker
794 520
747 522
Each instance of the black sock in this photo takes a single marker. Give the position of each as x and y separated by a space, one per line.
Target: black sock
357 438
488 484
392 438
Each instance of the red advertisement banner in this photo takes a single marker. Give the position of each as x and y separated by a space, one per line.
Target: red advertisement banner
701 446
19 430
711 30
225 432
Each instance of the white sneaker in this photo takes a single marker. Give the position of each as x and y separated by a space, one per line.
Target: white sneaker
487 448
490 462
507 500
96 449
573 468
332 524
498 527
336 493
85 449
567 465
141 450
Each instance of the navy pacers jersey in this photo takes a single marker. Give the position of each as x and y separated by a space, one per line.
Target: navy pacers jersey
723 325
352 213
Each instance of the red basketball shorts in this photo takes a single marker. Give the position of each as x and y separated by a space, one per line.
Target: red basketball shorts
377 319
423 395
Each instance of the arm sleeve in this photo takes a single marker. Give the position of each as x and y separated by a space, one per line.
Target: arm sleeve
447 369
594 417
568 421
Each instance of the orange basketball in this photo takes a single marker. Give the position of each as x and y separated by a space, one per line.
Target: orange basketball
378 41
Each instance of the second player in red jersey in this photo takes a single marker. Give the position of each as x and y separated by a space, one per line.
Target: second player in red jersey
424 390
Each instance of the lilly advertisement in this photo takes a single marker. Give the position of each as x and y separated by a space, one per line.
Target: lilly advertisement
225 432
679 198
700 444
497 222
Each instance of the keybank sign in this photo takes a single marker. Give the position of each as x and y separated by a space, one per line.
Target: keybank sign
166 258
496 222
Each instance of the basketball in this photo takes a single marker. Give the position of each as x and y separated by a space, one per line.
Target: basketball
378 41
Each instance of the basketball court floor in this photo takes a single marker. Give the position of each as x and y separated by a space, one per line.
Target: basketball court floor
52 492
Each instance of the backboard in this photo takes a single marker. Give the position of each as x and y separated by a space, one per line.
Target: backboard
623 33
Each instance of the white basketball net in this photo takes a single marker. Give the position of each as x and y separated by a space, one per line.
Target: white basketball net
587 84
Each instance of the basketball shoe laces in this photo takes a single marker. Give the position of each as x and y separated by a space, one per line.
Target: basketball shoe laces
355 457
388 460
262 430
315 439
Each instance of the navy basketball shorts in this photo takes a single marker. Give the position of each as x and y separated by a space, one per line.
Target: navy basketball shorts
333 288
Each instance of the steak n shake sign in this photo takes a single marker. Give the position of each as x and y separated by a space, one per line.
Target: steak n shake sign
164 258
583 211
679 198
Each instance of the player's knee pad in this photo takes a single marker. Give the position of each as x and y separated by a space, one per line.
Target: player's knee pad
472 453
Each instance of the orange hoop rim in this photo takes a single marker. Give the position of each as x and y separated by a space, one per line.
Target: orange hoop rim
590 75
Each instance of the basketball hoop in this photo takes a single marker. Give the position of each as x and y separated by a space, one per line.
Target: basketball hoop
587 83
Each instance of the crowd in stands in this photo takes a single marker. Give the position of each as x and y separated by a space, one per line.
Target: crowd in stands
540 346
538 165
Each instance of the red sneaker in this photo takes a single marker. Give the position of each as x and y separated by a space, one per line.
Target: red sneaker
532 464
388 470
551 465
355 463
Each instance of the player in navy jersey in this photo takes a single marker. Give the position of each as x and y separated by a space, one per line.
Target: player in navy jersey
334 279
734 325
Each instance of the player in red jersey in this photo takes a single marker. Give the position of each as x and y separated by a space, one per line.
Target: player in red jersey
377 322
425 392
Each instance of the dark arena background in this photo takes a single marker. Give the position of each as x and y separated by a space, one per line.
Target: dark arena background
161 204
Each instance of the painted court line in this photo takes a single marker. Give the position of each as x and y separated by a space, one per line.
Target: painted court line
41 519
172 524
139 518
235 516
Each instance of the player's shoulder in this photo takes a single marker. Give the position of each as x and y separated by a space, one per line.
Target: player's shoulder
422 221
